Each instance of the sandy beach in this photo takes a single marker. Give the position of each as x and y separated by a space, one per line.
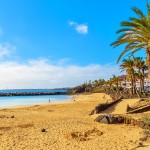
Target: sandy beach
20 127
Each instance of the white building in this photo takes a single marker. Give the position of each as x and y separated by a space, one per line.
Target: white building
127 84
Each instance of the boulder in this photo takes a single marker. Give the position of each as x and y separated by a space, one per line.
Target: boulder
103 119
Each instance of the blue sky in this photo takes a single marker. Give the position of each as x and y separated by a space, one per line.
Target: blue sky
57 43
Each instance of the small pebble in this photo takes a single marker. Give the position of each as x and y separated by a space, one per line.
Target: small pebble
43 130
140 144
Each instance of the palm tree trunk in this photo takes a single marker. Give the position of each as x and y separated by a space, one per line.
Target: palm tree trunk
138 93
148 61
143 90
141 85
133 83
135 88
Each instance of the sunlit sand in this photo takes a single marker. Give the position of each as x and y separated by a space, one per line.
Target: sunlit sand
67 125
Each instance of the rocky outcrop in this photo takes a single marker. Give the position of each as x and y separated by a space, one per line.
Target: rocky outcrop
142 105
139 110
118 119
102 107
80 89
32 93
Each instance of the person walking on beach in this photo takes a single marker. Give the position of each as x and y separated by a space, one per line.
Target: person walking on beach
49 100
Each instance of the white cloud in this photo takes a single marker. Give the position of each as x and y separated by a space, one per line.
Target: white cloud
80 28
71 23
43 74
6 50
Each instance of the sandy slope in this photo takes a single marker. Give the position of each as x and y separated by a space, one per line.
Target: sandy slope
121 107
63 122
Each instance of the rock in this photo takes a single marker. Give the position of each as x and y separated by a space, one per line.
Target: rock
100 117
115 119
136 122
147 127
120 119
128 108
127 121
132 121
140 144
110 119
145 132
43 130
141 124
92 112
144 138
12 117
103 119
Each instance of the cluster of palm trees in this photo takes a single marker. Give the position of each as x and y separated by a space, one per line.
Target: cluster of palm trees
93 85
113 84
135 69
134 35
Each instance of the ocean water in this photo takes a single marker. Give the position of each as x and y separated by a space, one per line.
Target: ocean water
31 90
9 101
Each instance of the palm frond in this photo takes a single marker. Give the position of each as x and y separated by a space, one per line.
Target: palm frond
138 12
120 56
134 33
124 30
148 8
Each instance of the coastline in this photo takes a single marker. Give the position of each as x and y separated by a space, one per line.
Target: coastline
21 101
60 120
33 105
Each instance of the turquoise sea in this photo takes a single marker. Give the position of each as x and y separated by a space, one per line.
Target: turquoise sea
9 101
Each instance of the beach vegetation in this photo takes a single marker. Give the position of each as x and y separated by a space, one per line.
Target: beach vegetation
145 119
89 86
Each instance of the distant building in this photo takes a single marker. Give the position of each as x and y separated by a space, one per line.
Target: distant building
127 84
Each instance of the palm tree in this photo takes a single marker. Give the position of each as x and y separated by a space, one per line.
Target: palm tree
101 82
109 83
128 66
115 80
142 67
95 83
139 77
135 34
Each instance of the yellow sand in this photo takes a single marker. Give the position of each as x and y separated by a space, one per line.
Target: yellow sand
121 107
68 127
